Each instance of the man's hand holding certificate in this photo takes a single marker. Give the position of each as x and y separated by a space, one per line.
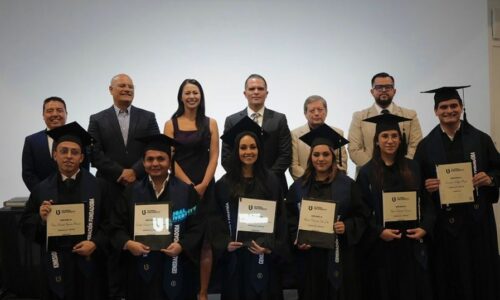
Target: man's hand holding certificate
151 225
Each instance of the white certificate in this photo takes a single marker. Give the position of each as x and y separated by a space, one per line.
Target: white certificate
256 215
66 220
399 206
455 183
151 219
317 216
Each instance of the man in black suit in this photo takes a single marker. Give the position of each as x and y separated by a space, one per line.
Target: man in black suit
37 162
117 154
277 152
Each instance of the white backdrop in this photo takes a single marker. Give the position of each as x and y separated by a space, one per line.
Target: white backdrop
332 48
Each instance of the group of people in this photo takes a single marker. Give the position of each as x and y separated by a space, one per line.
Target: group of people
447 252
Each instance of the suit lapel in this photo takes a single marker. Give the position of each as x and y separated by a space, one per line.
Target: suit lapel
268 118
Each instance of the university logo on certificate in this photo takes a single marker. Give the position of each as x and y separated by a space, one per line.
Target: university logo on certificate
400 207
152 225
316 221
455 183
255 219
65 224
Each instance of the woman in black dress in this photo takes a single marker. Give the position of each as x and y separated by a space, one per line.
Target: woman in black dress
328 271
251 269
196 158
396 252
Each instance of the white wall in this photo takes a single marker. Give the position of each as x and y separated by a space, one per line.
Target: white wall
331 48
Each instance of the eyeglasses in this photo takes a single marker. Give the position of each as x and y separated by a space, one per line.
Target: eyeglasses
382 87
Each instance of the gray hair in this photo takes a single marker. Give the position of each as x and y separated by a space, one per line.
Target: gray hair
312 99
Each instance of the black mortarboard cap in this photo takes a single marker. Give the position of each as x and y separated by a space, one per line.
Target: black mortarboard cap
446 93
386 122
325 135
159 142
71 132
243 125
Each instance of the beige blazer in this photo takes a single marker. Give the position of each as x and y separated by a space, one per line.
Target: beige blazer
361 133
300 152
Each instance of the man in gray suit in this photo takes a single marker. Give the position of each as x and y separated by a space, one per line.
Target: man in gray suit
361 133
277 146
117 155
315 111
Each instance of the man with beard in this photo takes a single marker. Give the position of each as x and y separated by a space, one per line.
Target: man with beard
361 133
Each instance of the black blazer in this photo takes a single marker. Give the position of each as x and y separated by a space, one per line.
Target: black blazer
37 161
109 154
277 152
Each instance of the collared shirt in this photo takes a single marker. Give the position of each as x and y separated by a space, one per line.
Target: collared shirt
451 136
158 193
50 142
72 176
379 109
123 116
258 119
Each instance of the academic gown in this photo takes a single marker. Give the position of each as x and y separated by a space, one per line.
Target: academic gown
247 276
67 275
158 276
320 275
397 269
465 251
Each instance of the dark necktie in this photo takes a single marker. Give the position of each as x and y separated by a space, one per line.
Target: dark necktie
384 111
69 183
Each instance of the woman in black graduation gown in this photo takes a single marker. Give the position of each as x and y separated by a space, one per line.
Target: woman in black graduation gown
326 273
395 254
249 271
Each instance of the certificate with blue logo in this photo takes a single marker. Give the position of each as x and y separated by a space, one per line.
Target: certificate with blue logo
66 220
316 221
256 217
152 225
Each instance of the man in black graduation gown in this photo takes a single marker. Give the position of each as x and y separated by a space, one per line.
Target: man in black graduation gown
167 271
71 265
465 249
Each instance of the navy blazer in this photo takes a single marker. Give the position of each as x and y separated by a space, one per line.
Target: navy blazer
277 152
37 163
109 154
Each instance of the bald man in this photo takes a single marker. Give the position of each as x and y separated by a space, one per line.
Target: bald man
117 154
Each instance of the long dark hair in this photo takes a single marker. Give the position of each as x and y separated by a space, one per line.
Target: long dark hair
310 172
235 175
200 111
399 160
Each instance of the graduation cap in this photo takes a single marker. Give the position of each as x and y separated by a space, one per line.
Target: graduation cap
244 125
159 142
447 93
325 135
386 122
71 132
